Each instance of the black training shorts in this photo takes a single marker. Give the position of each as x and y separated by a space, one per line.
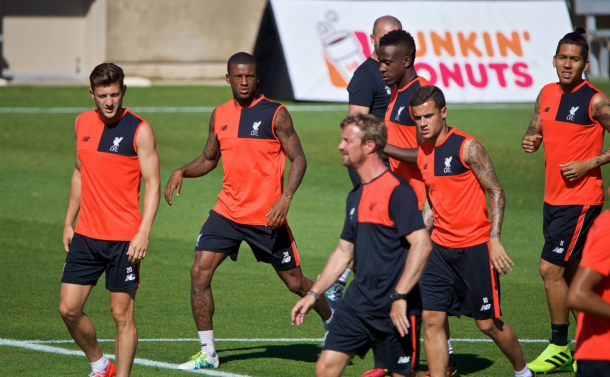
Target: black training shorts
277 247
88 258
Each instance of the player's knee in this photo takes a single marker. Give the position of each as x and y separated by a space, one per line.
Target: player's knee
201 275
487 326
295 286
322 369
122 316
69 314
550 273
432 320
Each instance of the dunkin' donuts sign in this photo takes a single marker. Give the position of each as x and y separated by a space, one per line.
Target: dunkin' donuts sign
476 51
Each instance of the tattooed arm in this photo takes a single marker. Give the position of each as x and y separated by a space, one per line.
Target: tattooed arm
600 110
477 158
291 144
533 136
202 165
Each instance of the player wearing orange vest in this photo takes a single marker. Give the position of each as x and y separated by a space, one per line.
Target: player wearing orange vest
467 255
114 150
254 136
569 120
397 57
590 294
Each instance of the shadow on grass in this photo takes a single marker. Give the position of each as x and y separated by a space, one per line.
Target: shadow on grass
467 363
297 352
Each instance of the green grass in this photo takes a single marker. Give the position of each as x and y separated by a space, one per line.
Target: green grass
37 157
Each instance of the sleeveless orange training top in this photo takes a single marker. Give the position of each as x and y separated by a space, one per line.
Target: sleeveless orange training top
110 176
401 133
252 158
457 197
570 133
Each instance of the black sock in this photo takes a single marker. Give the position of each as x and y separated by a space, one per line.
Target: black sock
559 335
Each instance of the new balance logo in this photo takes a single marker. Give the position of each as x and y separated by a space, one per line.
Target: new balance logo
255 127
115 147
198 238
547 109
130 277
558 250
448 165
485 307
351 213
85 139
287 257
223 128
573 111
372 206
400 109
404 360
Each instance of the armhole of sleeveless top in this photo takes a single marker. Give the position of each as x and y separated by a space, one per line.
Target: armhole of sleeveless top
591 107
135 137
273 121
466 165
78 120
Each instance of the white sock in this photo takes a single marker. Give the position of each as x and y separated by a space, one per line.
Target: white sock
344 276
101 365
207 342
524 373
449 346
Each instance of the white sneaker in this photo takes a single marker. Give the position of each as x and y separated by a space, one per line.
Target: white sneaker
200 361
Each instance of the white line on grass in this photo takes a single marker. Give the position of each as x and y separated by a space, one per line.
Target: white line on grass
138 361
203 109
268 340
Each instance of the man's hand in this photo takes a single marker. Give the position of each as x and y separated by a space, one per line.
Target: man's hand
574 170
531 143
137 247
277 213
301 308
174 183
398 314
68 235
500 260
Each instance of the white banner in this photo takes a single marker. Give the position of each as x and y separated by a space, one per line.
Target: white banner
476 51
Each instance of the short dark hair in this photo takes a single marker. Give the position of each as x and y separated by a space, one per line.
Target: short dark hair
371 128
575 38
426 93
106 74
242 58
400 38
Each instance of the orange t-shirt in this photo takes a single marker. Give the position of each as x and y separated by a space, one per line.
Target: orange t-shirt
569 133
252 158
401 133
110 176
593 333
457 197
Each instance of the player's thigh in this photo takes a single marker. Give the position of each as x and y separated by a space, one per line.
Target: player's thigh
397 353
121 274
480 280
84 264
73 298
332 363
437 282
565 229
122 305
347 333
276 247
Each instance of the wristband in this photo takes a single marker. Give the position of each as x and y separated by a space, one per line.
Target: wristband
314 294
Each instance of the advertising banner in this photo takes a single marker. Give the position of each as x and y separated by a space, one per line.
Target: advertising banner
476 51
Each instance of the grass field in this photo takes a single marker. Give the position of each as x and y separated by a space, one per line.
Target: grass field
252 320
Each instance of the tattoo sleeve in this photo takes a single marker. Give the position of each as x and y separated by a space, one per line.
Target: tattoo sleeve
483 169
286 134
601 112
535 126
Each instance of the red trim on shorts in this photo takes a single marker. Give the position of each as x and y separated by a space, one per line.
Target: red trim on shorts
414 341
579 225
138 267
494 288
293 244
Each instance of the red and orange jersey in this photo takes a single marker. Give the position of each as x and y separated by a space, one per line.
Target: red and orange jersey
110 176
457 197
569 133
252 158
593 332
402 133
